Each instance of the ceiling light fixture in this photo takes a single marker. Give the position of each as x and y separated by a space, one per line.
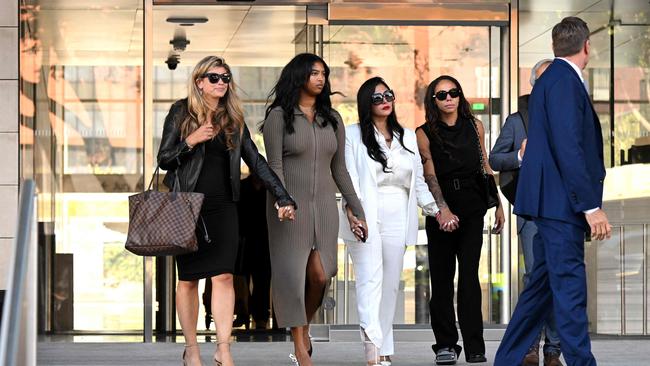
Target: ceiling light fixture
187 21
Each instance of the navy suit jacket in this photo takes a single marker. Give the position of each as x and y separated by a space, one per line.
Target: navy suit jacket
505 153
562 171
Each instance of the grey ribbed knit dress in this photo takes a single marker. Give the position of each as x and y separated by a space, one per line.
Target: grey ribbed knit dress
311 164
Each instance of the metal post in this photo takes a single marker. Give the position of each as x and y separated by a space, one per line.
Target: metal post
346 285
319 40
490 111
505 110
621 245
612 46
645 279
147 298
18 329
170 298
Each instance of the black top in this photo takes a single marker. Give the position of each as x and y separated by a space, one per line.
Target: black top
458 165
214 180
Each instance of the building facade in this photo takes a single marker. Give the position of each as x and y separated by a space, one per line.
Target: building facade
85 87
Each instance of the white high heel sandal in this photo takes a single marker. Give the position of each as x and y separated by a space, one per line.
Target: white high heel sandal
371 351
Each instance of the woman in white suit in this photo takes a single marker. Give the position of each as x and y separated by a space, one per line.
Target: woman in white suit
384 163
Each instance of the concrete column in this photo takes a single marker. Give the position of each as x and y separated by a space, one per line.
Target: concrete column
9 127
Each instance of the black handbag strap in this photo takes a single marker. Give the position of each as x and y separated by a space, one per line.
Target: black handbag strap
156 178
480 151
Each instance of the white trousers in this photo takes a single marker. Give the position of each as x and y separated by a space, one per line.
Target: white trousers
378 268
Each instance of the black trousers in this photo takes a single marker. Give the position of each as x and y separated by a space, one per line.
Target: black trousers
463 244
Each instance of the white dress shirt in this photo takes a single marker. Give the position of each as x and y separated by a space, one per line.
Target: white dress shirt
400 168
398 164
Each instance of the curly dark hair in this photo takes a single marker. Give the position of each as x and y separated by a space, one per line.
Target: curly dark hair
364 108
286 92
432 113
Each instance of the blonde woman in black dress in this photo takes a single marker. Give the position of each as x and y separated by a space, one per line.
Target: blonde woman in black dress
203 140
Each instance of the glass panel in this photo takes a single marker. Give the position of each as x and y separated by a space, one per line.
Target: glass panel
408 58
632 96
627 152
633 276
608 285
597 75
81 139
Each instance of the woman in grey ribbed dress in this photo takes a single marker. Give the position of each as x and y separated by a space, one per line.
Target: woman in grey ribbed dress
305 146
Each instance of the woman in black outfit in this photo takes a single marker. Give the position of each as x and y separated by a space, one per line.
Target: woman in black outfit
449 145
203 140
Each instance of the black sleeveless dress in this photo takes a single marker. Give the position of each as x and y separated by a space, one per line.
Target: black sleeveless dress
219 213
457 165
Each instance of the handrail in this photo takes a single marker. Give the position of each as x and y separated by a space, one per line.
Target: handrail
11 340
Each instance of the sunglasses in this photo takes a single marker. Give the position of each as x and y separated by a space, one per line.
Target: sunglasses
378 98
214 78
442 95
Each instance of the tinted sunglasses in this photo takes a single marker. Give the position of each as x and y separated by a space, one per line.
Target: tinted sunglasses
378 98
213 77
442 95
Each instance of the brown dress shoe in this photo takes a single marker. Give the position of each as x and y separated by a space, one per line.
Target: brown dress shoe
552 359
532 357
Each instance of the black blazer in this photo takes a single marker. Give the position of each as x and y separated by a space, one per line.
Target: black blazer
178 159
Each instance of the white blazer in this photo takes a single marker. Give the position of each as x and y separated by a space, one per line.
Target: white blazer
363 172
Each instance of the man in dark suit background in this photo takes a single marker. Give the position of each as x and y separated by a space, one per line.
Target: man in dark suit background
560 187
506 157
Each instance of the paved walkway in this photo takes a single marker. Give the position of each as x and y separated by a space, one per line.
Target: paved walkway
607 351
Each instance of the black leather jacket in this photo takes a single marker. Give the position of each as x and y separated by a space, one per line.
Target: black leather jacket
177 158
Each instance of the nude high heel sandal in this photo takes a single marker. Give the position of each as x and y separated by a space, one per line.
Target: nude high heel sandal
217 362
185 351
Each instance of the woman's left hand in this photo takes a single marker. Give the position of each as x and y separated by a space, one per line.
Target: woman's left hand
500 219
286 212
358 227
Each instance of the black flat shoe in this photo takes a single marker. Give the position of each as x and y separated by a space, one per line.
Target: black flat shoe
241 322
311 349
476 358
446 356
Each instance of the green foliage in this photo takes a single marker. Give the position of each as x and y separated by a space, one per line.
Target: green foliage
120 265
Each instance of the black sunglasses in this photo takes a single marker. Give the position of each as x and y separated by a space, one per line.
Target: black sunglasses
213 77
378 98
442 95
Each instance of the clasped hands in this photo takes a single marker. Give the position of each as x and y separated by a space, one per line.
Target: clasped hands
449 222
286 212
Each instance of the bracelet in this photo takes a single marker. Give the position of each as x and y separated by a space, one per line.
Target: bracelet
189 146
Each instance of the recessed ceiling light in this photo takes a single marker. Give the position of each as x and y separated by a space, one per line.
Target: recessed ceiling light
187 21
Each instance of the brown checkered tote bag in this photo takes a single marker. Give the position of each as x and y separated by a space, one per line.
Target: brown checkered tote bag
163 223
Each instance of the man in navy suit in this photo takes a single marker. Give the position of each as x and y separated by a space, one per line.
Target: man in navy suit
560 187
506 157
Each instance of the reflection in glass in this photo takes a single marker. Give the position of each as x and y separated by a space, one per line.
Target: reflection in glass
81 140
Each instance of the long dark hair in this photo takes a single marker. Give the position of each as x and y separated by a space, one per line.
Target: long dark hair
364 108
286 92
432 113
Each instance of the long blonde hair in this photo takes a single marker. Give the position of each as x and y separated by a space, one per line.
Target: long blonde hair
229 115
